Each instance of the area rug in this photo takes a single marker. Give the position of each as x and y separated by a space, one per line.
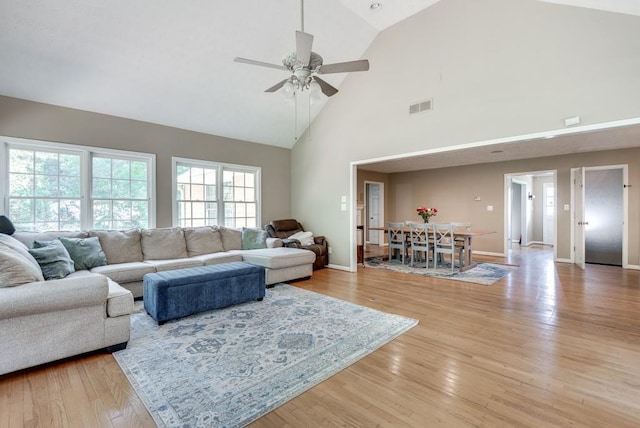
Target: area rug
483 273
228 367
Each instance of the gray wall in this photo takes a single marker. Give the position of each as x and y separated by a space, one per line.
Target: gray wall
494 68
26 119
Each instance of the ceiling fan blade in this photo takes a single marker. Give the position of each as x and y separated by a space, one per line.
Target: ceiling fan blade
344 67
304 41
260 63
326 88
277 86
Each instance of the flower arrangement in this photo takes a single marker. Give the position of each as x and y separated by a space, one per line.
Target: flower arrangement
426 213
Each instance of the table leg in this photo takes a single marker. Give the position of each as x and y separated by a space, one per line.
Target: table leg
468 255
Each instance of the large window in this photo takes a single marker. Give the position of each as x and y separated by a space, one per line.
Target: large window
208 193
52 186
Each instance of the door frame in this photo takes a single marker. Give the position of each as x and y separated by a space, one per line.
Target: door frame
381 219
508 178
625 209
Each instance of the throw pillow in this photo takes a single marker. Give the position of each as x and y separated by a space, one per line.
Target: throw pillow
53 258
15 269
86 253
20 248
231 238
253 239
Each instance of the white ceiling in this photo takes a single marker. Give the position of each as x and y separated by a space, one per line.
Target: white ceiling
171 62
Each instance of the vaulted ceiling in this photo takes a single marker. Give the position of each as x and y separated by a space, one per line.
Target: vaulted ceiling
171 63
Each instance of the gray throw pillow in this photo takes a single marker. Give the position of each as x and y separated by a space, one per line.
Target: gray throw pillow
53 258
86 253
253 239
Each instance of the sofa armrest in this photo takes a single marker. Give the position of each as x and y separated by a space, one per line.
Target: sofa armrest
320 240
274 243
53 296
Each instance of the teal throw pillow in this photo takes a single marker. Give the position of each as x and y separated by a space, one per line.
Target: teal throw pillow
86 253
53 258
253 239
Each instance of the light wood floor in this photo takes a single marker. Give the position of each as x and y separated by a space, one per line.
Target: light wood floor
550 345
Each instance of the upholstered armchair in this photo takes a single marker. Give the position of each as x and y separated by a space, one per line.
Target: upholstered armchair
283 229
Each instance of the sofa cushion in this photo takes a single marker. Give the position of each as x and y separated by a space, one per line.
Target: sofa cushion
53 258
231 238
217 258
163 265
278 258
86 253
253 239
163 244
119 299
19 247
16 269
202 240
125 272
120 246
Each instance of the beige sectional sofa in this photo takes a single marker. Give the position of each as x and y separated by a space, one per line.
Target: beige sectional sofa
43 321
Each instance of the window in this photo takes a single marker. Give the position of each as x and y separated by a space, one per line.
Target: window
119 193
208 193
47 184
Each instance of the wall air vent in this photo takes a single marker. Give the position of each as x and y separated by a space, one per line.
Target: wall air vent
421 107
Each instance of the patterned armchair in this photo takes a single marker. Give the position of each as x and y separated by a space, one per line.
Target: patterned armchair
283 229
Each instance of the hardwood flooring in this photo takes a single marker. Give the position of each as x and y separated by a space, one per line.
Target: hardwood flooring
549 345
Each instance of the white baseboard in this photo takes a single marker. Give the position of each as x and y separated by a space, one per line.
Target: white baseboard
632 267
488 253
564 261
340 267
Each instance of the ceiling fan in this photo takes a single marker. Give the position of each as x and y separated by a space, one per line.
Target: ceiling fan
305 65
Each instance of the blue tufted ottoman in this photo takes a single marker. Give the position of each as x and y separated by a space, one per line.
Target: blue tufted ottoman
181 292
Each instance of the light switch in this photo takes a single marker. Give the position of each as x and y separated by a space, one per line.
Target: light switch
343 199
489 207
343 207
566 207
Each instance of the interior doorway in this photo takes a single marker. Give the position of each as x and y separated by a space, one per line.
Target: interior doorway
374 209
530 210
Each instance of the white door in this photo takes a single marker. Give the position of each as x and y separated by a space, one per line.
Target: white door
549 207
373 212
578 217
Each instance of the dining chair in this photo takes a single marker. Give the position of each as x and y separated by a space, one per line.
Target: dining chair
419 238
444 243
397 240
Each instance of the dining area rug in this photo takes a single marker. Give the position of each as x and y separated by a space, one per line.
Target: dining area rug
483 273
228 367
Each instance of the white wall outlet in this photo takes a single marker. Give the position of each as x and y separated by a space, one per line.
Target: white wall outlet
343 199
489 207
330 251
343 206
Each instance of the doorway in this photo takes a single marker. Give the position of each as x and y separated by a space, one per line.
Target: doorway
374 208
530 213
600 215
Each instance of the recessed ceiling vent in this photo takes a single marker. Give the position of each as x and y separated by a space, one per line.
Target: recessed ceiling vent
421 107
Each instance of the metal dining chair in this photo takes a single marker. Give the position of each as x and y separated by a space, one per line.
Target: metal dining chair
397 240
444 243
419 238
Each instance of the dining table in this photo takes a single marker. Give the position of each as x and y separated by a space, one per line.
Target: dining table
465 235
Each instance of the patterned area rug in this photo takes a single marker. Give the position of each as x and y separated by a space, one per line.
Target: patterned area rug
484 273
230 366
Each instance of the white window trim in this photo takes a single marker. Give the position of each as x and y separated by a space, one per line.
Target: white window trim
220 166
85 157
